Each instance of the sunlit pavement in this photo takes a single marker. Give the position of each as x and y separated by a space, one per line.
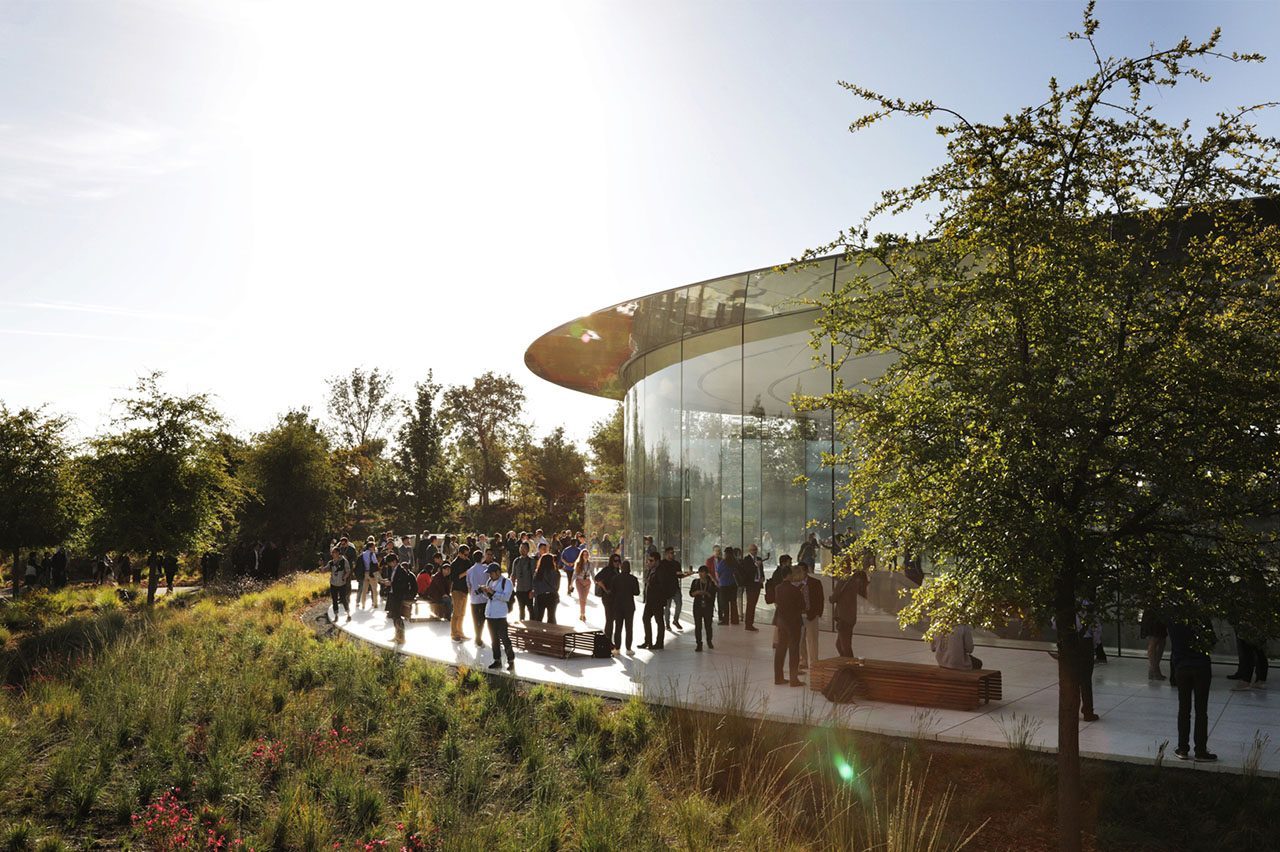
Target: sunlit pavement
1138 716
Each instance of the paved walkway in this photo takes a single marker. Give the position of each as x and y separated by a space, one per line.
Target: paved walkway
1137 715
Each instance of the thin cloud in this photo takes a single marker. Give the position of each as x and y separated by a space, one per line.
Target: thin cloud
109 310
84 157
75 335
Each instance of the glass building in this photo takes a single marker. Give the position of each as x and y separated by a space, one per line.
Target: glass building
715 451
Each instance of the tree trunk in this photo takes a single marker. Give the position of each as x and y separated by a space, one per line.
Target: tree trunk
1069 788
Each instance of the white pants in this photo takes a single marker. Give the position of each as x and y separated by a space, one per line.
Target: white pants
809 642
368 584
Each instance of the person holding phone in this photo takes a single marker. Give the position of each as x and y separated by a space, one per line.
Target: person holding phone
703 590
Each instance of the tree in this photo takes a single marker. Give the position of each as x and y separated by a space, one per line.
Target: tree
160 481
294 487
607 462
484 421
1085 391
426 479
551 482
362 407
39 502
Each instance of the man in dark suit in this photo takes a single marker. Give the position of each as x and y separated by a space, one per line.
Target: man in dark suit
402 588
788 598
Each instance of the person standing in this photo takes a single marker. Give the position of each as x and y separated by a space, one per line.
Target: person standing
788 599
584 577
607 576
814 606
402 588
498 591
1253 659
624 591
1156 632
703 590
755 584
546 587
522 578
568 562
477 579
367 574
339 583
728 588
458 592
1192 672
670 577
844 605
170 570
654 606
154 566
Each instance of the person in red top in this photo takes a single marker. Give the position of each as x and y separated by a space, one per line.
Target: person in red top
437 595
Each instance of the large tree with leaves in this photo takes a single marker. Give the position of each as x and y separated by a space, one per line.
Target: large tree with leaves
551 482
39 495
159 481
362 408
427 491
1084 398
294 491
486 424
607 462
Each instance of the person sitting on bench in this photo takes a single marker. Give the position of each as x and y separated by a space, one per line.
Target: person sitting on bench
954 650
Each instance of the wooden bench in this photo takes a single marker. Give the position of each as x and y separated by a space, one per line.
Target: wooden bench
552 640
919 684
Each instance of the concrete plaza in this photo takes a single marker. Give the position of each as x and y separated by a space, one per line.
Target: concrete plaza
1138 715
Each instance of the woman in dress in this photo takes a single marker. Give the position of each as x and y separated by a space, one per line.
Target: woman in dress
583 578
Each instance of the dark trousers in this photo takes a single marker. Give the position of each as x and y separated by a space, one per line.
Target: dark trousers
500 638
544 607
788 649
608 618
753 598
623 619
1253 661
1081 658
340 595
478 619
1193 683
844 637
728 597
653 611
525 602
703 616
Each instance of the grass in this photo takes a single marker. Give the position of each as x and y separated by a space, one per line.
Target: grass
227 717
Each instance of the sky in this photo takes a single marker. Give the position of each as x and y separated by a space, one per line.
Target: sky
254 196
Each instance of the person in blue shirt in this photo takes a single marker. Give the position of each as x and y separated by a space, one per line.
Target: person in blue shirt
726 570
568 557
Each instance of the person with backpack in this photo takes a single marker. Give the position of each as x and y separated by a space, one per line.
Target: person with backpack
339 583
498 592
788 597
605 579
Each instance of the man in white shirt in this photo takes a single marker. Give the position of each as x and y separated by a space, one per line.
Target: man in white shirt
498 591
477 578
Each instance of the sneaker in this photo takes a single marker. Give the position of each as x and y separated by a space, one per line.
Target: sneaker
1182 753
1205 757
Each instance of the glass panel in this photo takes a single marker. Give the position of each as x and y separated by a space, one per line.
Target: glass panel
715 304
662 447
712 406
771 291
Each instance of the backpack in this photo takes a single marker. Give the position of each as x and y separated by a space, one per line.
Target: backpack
844 686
